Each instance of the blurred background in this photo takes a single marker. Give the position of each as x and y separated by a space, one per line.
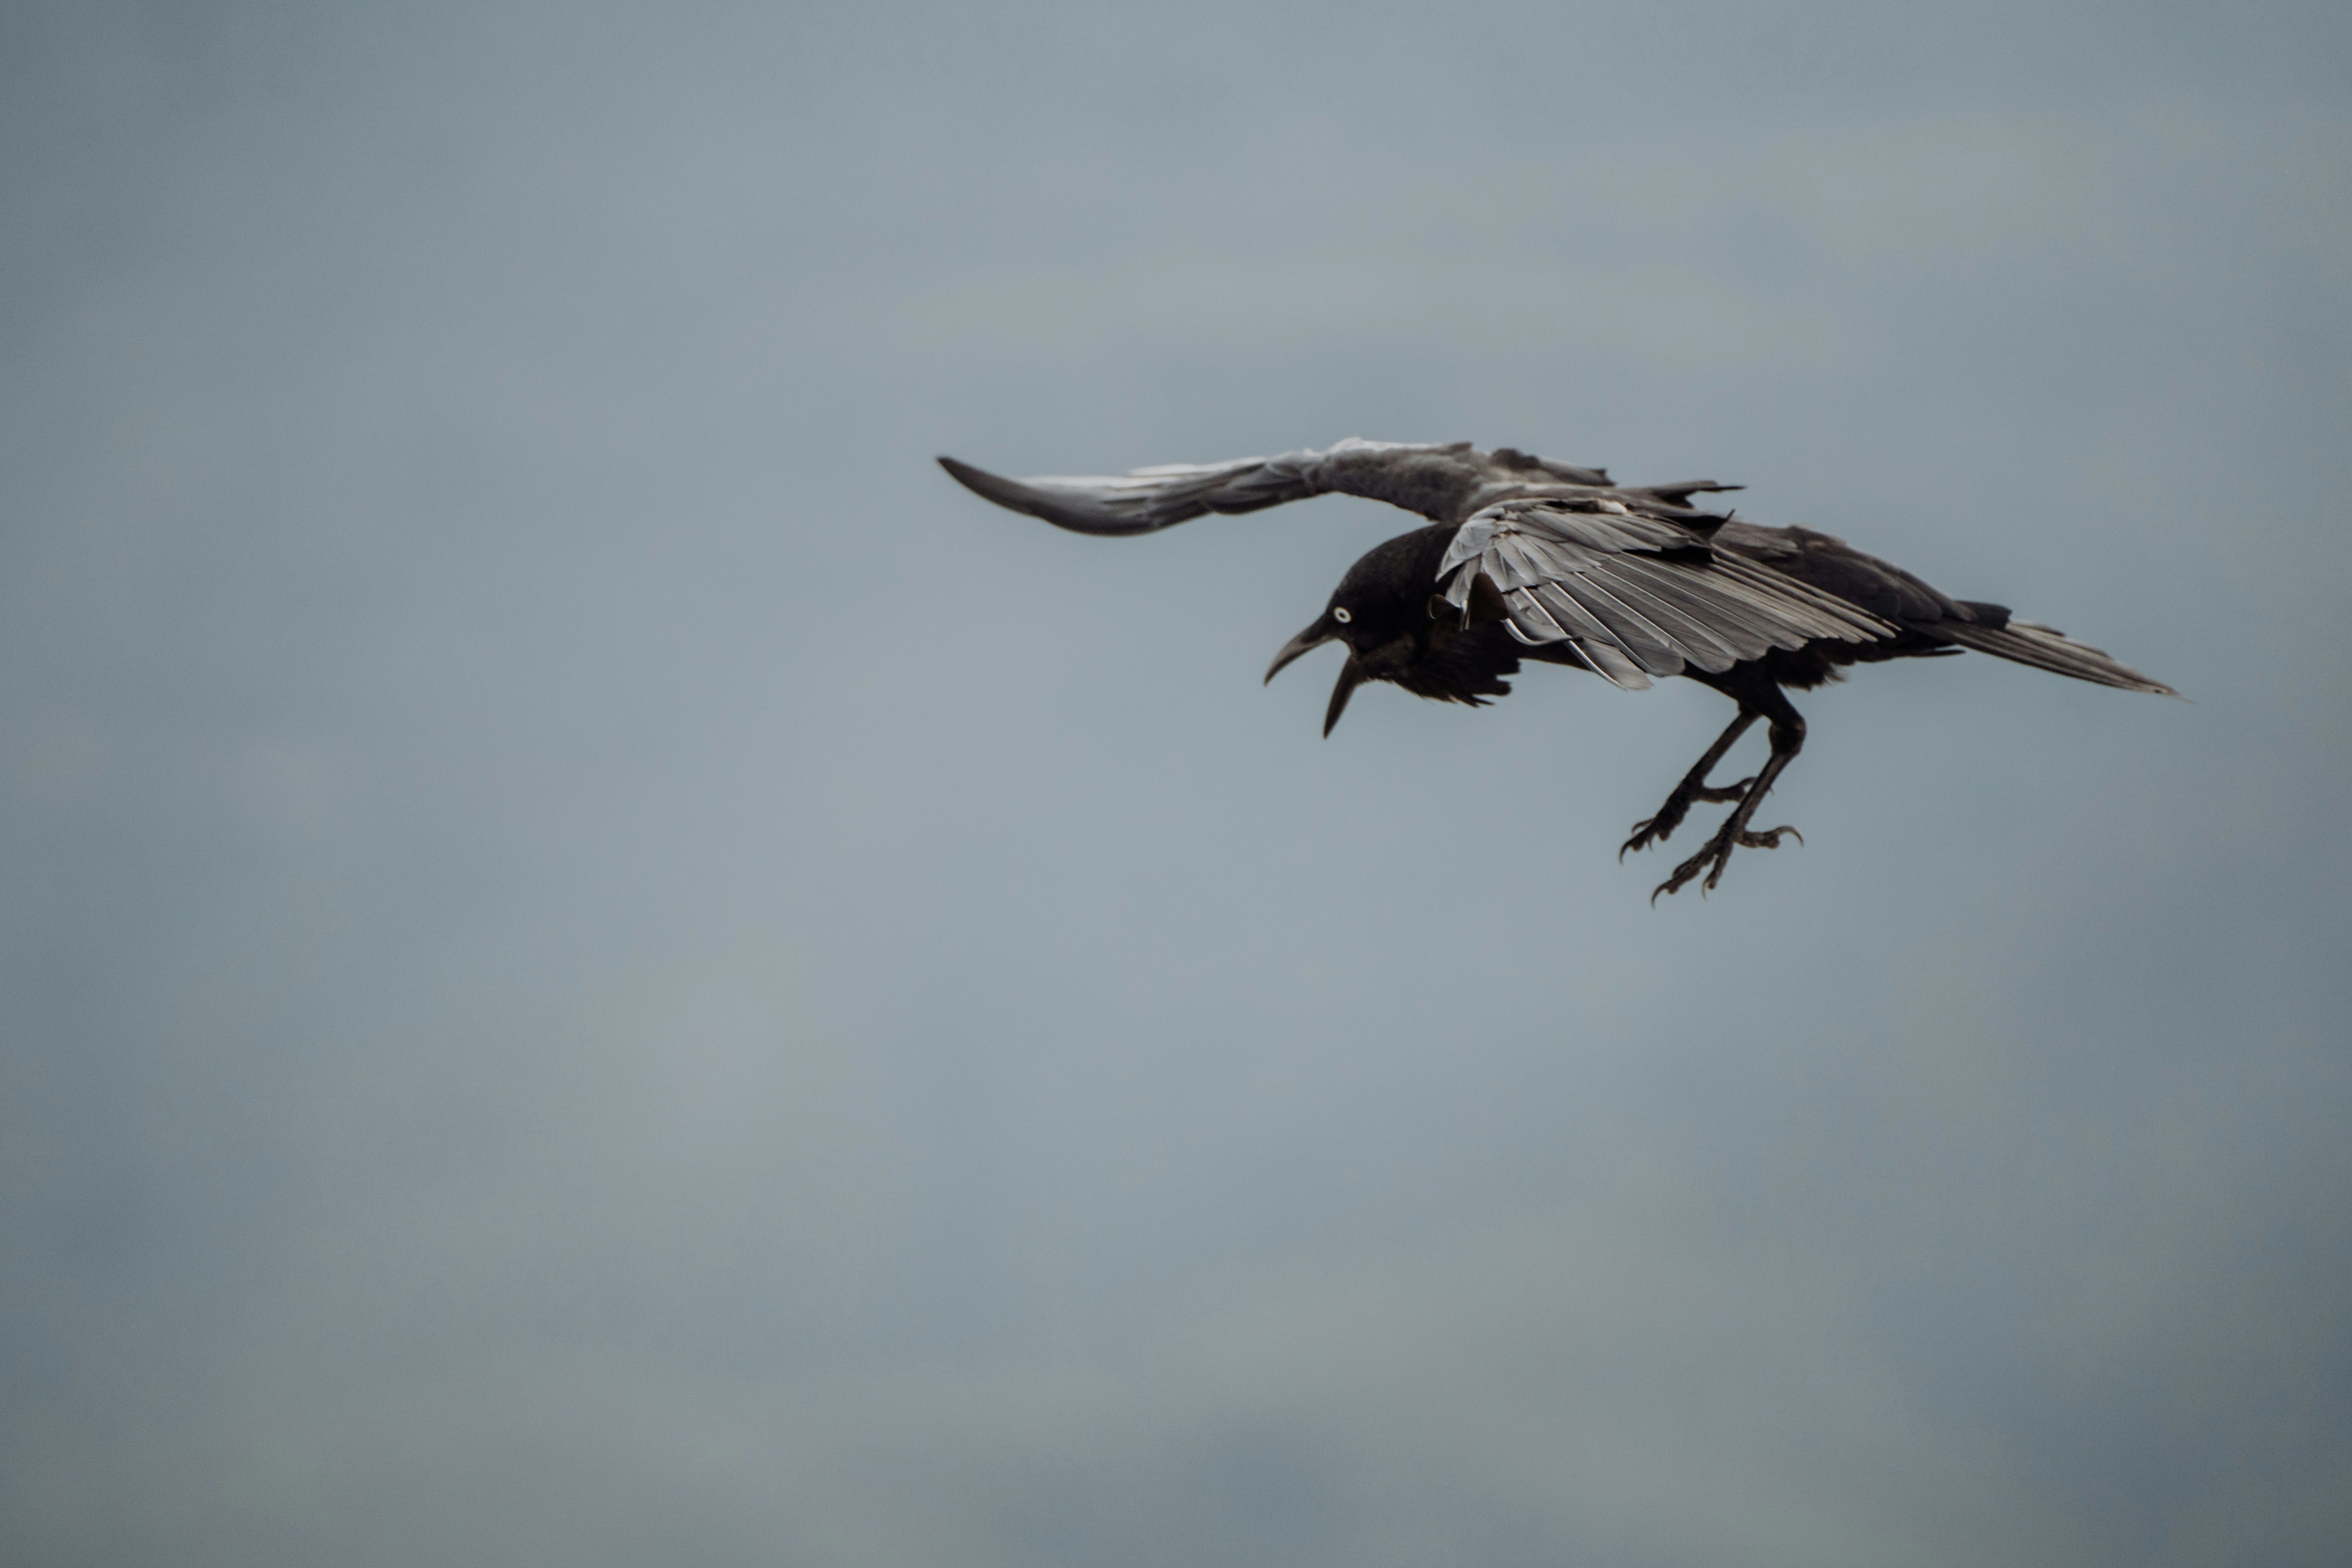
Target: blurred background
599 966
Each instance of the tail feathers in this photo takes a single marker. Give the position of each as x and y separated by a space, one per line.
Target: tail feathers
2026 643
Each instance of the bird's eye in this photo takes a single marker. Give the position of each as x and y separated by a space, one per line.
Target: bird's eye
1342 616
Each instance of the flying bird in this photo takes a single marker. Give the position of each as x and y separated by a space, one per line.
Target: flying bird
1525 558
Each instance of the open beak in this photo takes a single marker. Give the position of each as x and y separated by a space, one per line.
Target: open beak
1351 674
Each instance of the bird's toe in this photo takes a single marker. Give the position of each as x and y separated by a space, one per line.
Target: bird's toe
1647 832
1690 869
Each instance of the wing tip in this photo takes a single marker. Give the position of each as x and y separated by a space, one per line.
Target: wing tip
1077 514
980 481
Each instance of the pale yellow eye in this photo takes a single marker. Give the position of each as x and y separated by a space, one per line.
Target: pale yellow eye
1342 616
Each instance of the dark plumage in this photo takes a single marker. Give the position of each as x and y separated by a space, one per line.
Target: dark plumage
1529 559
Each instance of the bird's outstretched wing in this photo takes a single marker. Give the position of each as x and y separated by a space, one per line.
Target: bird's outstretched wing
1441 482
1634 595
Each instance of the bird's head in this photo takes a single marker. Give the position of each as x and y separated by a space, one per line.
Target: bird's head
1380 610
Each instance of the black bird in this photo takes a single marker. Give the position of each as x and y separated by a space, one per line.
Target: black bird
1527 558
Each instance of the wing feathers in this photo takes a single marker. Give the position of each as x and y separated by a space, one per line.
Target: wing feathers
1648 647
1637 597
1556 617
1713 648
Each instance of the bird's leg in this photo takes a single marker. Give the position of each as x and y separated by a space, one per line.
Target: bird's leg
1788 733
1652 830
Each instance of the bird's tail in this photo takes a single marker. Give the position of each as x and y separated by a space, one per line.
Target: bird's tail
2026 643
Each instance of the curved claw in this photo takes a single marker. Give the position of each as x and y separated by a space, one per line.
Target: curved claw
1713 851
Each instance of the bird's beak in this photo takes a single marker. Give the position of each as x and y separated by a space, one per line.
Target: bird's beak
1313 637
1351 674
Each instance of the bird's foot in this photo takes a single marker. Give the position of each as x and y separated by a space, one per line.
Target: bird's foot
1716 853
1657 829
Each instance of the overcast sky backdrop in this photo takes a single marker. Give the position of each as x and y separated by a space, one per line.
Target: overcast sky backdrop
597 966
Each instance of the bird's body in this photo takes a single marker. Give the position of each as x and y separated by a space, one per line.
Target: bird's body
1529 559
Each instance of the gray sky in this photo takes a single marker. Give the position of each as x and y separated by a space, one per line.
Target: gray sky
600 967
